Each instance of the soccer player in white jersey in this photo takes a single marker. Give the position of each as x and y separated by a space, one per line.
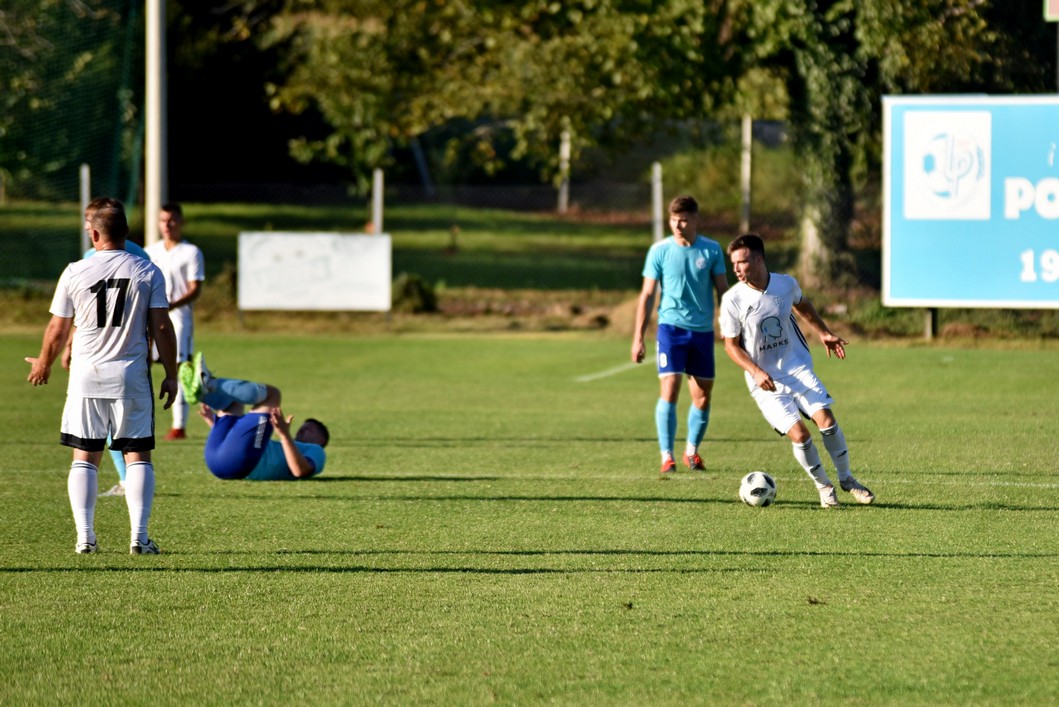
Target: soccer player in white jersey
689 268
115 299
762 337
117 489
184 269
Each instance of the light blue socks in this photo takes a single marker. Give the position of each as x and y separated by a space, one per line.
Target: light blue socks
666 422
698 421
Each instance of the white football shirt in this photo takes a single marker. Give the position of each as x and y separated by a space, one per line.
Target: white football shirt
180 265
765 326
108 297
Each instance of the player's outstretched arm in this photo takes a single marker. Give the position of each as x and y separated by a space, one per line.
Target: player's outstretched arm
299 466
55 336
831 341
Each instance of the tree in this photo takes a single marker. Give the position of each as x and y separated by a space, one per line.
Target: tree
382 72
838 57
67 72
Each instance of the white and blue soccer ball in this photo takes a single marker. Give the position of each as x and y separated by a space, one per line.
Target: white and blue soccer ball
757 489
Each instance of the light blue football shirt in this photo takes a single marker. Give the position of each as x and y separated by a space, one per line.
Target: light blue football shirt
273 465
685 276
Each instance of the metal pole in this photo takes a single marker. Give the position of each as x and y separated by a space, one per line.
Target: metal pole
930 324
376 201
564 171
745 172
156 191
657 224
86 196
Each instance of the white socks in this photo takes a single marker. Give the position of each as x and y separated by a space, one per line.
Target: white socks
809 459
835 443
82 487
139 496
808 456
180 410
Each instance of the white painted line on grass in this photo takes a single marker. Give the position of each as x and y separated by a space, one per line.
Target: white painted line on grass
607 373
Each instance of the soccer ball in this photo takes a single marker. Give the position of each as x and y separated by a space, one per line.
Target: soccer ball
757 489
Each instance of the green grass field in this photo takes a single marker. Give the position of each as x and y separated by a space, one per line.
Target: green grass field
491 528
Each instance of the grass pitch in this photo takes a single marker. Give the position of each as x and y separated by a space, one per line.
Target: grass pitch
491 527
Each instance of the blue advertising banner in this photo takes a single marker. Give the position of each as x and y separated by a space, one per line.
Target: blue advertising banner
971 201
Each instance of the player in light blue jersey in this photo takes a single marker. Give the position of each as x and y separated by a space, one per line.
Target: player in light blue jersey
688 269
117 489
763 338
239 445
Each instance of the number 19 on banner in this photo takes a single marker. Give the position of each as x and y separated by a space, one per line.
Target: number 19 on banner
1046 267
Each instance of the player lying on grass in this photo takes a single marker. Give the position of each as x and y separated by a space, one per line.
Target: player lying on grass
239 445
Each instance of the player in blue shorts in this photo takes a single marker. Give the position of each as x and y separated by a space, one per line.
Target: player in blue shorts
689 271
239 445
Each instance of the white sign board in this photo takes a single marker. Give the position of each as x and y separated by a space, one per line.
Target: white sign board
971 192
314 271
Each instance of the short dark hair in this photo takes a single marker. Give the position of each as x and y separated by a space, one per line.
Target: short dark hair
107 215
173 208
321 427
684 205
750 241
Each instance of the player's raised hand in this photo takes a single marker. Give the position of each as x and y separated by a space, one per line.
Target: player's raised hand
207 414
834 343
281 423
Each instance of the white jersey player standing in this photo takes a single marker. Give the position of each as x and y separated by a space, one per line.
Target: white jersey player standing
115 300
761 335
184 269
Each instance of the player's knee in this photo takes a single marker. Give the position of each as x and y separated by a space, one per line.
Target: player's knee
824 419
799 433
272 397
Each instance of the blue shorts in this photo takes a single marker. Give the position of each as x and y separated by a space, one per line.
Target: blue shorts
684 351
237 443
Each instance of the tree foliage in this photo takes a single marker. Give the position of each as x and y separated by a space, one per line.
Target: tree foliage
66 77
837 58
383 72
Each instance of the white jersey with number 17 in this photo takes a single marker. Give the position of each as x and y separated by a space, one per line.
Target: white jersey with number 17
108 297
765 326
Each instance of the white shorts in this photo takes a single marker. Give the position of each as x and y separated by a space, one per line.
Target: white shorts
794 396
129 422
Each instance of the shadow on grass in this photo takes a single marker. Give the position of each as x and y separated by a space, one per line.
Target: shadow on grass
521 441
316 569
810 505
435 569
